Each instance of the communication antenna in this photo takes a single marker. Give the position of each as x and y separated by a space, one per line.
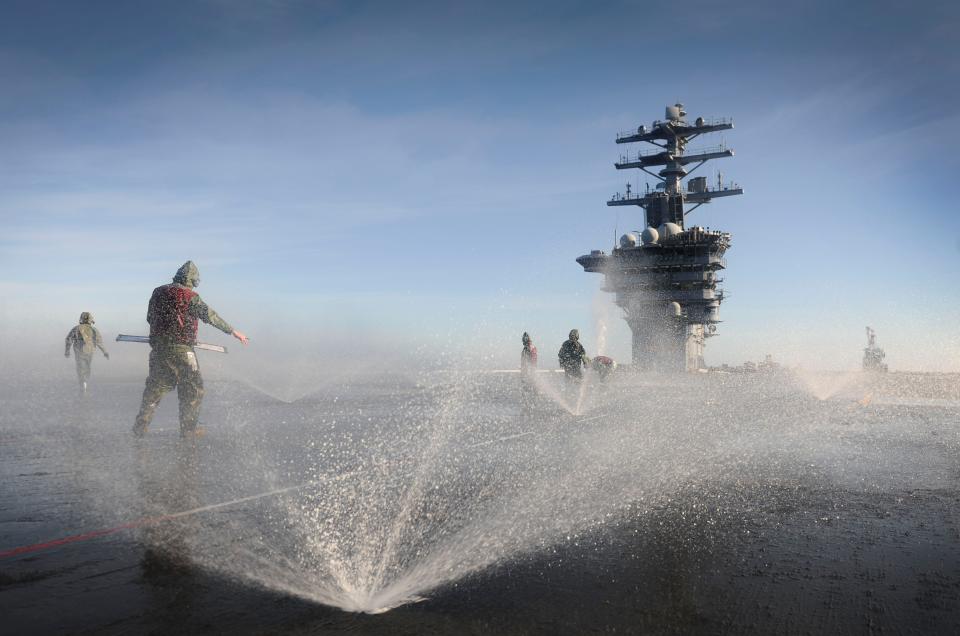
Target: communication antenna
616 230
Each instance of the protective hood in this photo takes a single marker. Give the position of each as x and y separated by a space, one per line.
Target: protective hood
188 275
86 318
574 334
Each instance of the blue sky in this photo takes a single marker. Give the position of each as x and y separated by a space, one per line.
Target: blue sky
421 176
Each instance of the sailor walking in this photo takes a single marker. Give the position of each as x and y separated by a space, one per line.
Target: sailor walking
84 339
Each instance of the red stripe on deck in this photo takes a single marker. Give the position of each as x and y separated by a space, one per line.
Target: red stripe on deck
36 547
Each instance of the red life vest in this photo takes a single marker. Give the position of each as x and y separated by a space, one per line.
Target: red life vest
528 359
171 317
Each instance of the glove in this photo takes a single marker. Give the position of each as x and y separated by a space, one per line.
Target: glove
106 355
66 355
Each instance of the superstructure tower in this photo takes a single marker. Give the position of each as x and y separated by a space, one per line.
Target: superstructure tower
666 277
873 355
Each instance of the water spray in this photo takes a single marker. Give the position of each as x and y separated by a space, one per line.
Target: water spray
158 519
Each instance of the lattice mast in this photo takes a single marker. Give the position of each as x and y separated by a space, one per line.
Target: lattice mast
666 203
666 280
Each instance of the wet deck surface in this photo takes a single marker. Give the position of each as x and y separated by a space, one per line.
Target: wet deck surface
861 537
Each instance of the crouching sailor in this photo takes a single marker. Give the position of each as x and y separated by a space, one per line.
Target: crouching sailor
174 313
603 366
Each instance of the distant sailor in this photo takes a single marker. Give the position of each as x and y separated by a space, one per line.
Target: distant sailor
573 358
174 313
528 372
85 340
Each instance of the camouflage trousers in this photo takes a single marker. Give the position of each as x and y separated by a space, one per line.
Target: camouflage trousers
171 369
83 365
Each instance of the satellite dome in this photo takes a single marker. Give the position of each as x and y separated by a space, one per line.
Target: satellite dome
669 229
650 236
628 240
673 310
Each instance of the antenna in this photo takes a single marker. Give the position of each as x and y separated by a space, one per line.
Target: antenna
616 230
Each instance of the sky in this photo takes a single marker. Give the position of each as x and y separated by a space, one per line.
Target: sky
385 181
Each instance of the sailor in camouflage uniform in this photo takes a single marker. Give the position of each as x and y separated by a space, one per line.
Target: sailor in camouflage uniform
174 313
84 339
573 358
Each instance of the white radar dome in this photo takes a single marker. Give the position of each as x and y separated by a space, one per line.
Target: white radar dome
628 240
650 236
669 229
673 310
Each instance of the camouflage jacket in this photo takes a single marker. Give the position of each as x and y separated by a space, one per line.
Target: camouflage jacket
572 355
173 313
84 338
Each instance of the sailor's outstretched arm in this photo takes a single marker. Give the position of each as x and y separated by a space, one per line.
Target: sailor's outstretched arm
204 312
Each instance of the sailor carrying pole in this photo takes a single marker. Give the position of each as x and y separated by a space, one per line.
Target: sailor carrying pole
146 340
174 312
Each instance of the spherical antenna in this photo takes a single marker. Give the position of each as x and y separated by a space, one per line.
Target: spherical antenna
668 230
